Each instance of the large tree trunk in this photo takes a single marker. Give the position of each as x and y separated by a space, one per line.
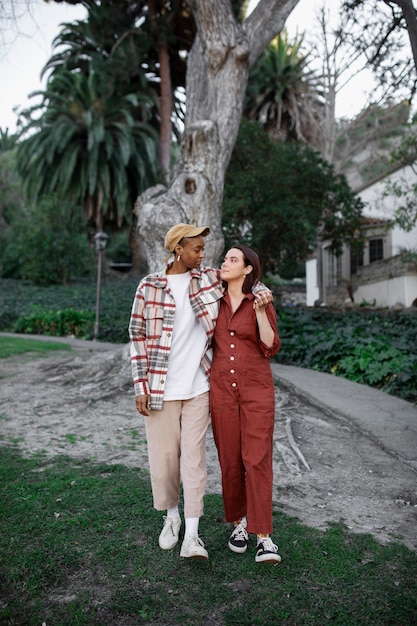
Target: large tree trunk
217 73
164 147
409 13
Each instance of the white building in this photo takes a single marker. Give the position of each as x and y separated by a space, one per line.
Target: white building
382 276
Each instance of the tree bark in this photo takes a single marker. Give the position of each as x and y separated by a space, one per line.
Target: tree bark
410 16
165 105
166 111
217 73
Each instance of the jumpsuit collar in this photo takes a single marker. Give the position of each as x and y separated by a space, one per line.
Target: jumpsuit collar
246 296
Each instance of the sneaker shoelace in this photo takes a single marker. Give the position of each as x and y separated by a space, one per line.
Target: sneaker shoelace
197 541
268 545
240 533
169 524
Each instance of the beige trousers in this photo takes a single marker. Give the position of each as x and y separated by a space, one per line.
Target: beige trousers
176 438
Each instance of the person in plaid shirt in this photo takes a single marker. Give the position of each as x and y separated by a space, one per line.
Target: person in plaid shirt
171 327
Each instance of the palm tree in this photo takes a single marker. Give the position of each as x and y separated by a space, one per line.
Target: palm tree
283 94
89 147
109 38
8 140
11 195
141 47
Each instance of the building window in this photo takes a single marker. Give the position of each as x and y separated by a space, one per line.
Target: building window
356 261
334 269
376 250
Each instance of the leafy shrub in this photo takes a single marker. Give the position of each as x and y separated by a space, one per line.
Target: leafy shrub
377 365
57 323
304 329
373 347
117 249
281 221
20 298
376 348
46 244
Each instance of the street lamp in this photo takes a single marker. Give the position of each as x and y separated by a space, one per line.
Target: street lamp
100 240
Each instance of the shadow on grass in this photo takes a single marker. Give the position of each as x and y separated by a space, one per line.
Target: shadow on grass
79 546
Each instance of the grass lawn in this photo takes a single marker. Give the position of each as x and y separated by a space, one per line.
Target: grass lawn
79 546
10 346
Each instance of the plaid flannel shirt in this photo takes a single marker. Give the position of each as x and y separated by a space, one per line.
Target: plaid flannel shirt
151 326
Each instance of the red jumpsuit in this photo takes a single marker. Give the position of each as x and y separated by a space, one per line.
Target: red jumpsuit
242 406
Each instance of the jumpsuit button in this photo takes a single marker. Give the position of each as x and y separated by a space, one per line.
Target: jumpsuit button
232 345
232 358
232 371
232 332
233 384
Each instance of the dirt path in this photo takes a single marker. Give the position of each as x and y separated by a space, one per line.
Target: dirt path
326 469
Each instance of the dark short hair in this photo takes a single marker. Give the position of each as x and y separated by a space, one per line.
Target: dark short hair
250 258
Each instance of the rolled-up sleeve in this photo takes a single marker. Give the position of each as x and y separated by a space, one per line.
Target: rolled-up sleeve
274 349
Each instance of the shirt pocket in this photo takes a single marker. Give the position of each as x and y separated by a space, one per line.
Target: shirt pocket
247 330
154 316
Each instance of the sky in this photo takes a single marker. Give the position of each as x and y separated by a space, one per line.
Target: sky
26 46
24 50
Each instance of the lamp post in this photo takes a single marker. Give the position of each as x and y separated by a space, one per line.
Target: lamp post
100 240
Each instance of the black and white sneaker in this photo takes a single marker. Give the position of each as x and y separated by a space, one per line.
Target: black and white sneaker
267 552
239 539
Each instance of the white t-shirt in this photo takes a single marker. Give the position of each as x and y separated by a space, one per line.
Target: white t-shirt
185 378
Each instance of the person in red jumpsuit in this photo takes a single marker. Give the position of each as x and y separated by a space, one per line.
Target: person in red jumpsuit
242 403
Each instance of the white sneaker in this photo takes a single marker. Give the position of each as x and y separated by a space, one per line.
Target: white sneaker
193 548
170 533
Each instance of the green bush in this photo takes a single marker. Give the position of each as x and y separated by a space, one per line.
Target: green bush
282 221
117 249
57 323
20 298
377 365
373 347
376 348
46 244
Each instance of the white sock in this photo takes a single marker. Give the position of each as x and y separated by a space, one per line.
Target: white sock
260 538
173 512
191 526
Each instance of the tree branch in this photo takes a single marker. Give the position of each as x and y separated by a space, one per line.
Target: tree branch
410 16
264 23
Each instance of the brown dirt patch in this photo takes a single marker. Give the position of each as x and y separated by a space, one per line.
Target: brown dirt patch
326 469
